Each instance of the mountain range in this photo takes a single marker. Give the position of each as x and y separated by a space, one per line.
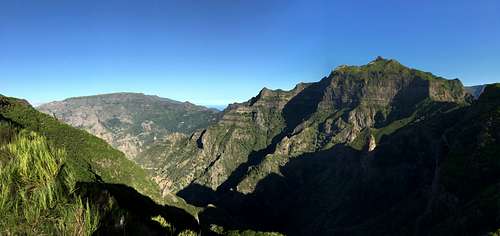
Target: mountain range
376 149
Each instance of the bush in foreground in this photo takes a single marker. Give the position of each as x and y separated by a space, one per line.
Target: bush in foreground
36 190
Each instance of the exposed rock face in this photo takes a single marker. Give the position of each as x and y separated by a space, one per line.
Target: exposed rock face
372 144
130 122
354 105
209 156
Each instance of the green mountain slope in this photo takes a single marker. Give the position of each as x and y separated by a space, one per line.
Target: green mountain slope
87 155
130 122
60 180
349 106
35 189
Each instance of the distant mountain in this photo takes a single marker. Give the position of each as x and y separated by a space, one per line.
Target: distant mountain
218 107
131 122
378 149
475 91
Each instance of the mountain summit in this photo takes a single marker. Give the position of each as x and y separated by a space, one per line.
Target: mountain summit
350 106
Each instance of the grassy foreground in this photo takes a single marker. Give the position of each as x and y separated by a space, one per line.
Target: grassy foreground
36 191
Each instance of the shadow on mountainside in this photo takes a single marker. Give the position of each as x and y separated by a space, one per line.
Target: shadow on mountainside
299 109
398 189
295 111
329 192
406 100
268 208
123 209
307 187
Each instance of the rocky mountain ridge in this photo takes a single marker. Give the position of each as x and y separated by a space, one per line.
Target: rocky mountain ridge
354 105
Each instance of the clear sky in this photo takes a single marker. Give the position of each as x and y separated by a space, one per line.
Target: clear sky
215 52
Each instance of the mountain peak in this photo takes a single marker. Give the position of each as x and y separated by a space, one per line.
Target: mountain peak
378 64
383 61
380 58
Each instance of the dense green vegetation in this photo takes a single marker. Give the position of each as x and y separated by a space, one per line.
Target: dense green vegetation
87 155
36 190
56 179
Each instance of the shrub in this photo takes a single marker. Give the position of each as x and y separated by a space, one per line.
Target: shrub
36 190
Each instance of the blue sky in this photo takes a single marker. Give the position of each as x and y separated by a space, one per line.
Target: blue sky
221 51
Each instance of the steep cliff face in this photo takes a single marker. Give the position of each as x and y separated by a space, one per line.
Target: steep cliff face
433 176
209 156
130 122
354 106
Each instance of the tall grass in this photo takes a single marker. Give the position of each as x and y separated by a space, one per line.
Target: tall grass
36 190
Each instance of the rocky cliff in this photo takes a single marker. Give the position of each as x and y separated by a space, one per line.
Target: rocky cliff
353 106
